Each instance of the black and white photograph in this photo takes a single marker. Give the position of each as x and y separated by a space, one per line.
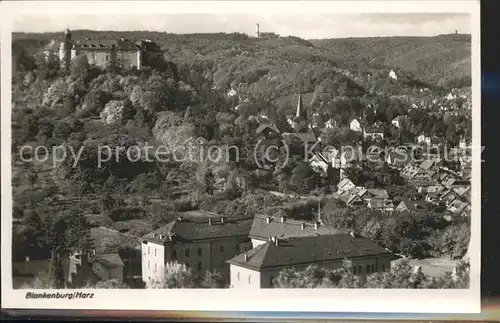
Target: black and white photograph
240 150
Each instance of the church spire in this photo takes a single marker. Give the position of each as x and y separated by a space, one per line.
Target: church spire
301 113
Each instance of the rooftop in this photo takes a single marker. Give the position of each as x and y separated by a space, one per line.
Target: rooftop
307 250
110 260
262 230
200 225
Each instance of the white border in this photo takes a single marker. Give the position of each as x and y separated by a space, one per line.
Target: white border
323 300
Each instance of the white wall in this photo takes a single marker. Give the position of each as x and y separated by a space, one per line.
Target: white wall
244 278
153 260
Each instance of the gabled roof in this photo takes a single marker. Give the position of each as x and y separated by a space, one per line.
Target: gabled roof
262 230
110 260
343 183
307 250
427 164
380 203
413 206
306 136
195 225
265 126
378 193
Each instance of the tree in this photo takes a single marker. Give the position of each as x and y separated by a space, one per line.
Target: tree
176 275
110 284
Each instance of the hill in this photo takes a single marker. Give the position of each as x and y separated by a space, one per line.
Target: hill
429 58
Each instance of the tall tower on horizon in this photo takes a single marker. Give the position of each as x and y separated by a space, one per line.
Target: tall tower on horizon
258 30
65 50
300 113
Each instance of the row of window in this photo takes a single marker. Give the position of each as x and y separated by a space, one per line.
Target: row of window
187 265
369 269
187 252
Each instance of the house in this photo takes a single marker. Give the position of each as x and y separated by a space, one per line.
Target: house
258 267
201 240
385 205
373 133
457 207
108 266
407 205
398 159
330 123
319 163
350 157
376 193
351 199
344 186
393 75
398 121
423 139
265 227
432 197
267 130
355 125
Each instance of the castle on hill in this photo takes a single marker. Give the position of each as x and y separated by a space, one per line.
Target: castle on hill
121 52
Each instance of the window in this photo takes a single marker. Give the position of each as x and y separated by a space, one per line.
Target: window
199 265
221 248
187 252
149 265
174 254
367 269
249 279
149 250
155 252
360 269
271 279
372 268
199 251
107 57
155 266
355 270
238 276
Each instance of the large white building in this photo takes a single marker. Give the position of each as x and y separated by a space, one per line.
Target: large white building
259 267
202 240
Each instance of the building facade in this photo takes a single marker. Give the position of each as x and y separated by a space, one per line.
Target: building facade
260 266
203 243
103 53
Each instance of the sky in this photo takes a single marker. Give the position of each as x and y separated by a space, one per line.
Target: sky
309 26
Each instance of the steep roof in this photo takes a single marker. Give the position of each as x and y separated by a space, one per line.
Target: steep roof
110 260
265 126
289 228
194 225
380 203
413 206
378 193
307 250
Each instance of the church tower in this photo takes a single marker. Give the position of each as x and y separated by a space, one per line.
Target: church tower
301 113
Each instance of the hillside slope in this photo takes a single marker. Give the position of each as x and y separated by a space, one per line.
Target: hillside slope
429 58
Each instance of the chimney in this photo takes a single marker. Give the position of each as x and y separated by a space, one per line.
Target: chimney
246 257
282 219
209 221
27 259
223 220
179 219
316 225
268 220
302 226
154 235
277 241
273 239
160 236
352 234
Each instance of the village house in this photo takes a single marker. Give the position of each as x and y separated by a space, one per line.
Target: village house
201 240
392 75
355 125
108 266
408 205
396 122
345 185
258 267
373 133
385 205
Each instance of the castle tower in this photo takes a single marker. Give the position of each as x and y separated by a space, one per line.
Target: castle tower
258 30
65 50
